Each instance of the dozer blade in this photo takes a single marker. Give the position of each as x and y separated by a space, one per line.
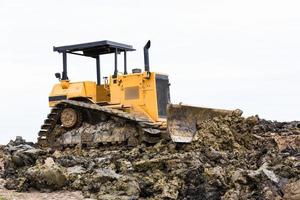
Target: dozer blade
182 120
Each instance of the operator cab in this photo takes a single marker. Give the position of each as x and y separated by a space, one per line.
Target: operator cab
95 50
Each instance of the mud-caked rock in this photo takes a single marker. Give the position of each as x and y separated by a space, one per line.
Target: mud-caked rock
48 176
231 157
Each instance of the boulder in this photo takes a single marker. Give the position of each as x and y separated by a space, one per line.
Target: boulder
47 176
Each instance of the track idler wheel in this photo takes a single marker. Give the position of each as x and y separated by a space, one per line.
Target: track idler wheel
70 118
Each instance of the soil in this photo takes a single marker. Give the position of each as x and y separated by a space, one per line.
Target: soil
230 157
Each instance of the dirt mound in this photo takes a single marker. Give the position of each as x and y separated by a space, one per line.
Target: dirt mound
231 158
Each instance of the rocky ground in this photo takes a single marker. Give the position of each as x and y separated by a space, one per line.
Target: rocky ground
34 195
231 158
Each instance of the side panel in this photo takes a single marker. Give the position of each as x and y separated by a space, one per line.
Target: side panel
77 89
102 94
90 90
139 92
115 90
150 98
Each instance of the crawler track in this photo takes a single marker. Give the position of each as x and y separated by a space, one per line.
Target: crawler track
100 125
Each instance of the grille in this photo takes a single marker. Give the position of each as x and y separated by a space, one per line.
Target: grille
163 94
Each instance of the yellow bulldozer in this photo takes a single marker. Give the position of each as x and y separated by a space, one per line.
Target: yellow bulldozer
125 108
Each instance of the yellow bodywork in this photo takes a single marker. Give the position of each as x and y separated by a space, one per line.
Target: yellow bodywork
135 93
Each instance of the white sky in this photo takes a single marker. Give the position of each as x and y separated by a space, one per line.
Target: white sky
224 54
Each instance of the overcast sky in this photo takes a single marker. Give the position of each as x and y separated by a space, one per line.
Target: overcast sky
224 54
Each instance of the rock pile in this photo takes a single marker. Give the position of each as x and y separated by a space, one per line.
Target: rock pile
230 158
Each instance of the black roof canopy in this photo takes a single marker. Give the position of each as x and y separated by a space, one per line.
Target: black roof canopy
94 49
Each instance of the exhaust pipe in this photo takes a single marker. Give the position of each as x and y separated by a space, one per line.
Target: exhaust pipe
146 56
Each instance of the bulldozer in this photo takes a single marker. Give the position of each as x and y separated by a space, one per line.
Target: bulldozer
124 108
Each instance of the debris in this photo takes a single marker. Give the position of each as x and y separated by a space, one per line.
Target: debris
46 177
292 191
230 158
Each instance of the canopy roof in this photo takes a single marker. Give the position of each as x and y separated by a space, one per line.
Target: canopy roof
94 49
